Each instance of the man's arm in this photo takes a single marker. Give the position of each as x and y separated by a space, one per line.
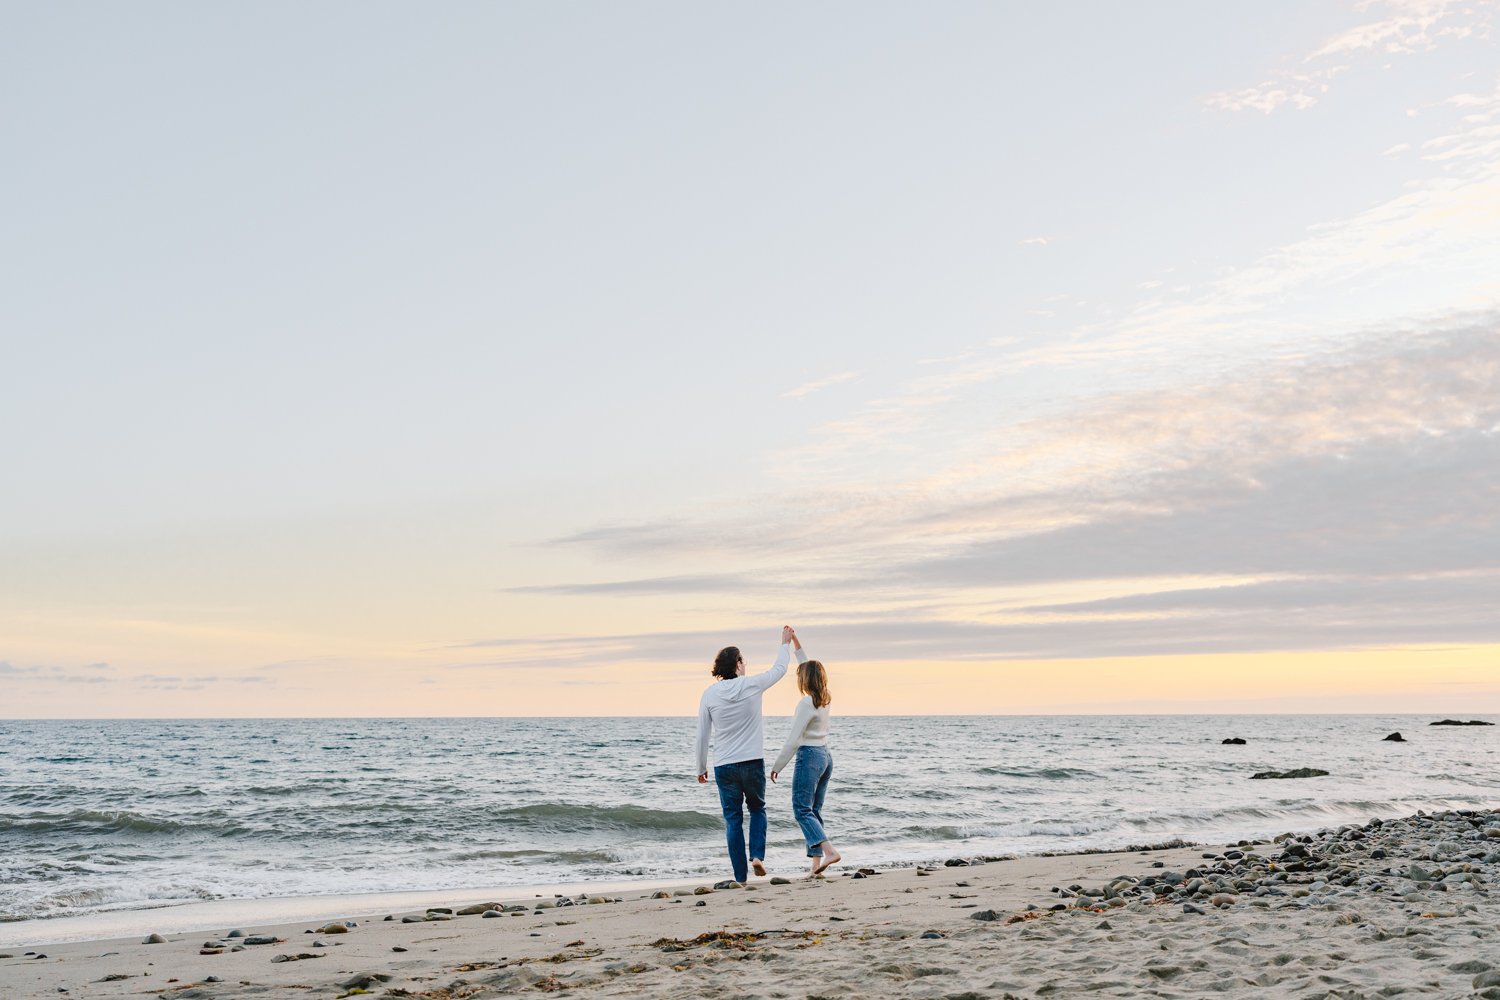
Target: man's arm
705 722
762 681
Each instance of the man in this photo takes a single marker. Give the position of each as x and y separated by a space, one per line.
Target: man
730 710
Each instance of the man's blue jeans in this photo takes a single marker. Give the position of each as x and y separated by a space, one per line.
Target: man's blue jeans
809 789
740 784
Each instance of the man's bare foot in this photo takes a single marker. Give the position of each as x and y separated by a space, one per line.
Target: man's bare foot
830 858
758 867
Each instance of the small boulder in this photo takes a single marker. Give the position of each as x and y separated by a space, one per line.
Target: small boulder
154 939
1234 741
1395 738
365 979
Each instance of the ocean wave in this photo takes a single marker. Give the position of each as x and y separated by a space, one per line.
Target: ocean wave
1049 773
88 821
560 816
562 857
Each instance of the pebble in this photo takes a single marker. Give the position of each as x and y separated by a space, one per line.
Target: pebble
154 939
778 880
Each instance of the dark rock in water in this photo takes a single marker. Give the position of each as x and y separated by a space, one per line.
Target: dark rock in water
1455 722
1395 738
1234 741
1301 772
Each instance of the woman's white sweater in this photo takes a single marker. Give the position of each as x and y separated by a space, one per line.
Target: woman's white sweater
809 729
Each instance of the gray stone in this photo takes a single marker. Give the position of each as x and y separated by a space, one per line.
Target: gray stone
154 939
364 979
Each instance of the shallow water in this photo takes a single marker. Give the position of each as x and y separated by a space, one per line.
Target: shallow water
103 815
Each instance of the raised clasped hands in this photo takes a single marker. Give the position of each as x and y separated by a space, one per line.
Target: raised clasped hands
788 633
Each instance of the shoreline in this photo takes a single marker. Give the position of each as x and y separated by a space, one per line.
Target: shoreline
201 916
1346 912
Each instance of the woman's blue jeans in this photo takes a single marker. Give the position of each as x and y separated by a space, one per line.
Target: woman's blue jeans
743 784
809 789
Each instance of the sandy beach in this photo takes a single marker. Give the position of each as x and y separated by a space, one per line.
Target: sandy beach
1384 909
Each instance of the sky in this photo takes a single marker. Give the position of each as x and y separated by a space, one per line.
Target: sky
377 359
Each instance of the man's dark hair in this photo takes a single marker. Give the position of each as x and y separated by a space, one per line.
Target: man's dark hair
727 663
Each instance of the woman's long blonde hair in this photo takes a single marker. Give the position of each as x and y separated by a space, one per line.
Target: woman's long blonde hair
812 680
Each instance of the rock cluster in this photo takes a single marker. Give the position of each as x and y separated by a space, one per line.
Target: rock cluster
1411 859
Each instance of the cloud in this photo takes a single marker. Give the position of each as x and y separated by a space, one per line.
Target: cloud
1413 26
1036 241
1374 460
60 675
657 585
1410 26
1300 90
808 388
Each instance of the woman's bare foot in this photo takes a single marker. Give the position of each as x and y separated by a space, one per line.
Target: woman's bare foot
758 867
829 859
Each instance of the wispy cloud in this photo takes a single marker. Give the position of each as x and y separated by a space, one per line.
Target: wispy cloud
808 388
1377 459
1406 27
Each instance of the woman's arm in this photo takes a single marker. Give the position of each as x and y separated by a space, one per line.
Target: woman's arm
800 722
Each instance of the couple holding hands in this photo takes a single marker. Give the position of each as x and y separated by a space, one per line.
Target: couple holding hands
730 712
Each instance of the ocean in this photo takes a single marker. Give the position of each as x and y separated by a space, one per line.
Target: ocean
100 816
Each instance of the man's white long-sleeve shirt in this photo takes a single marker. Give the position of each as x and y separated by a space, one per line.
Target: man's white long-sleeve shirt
730 710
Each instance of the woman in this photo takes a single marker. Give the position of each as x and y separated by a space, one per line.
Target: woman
809 740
